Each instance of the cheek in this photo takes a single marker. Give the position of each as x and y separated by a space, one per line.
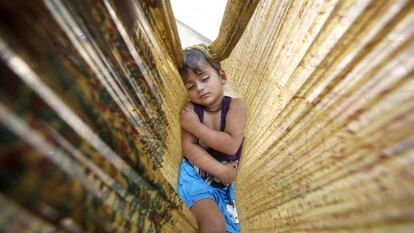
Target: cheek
190 93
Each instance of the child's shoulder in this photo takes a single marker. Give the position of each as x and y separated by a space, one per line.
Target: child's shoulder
237 106
237 103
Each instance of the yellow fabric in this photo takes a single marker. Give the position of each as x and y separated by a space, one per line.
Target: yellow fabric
329 89
203 48
84 121
235 19
89 123
161 18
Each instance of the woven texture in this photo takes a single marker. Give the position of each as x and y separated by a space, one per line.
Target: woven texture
84 121
90 98
330 90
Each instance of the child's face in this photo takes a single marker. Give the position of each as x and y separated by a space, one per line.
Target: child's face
205 87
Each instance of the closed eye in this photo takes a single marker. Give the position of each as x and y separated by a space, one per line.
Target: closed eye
205 78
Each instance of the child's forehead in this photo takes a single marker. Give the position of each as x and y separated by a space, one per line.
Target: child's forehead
191 74
202 69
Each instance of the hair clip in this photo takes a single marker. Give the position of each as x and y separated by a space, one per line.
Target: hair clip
202 48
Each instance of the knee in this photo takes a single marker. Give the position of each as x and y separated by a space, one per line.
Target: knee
217 225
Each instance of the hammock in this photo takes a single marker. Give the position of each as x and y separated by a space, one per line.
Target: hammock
90 96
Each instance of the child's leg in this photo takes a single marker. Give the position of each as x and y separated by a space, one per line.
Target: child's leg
208 216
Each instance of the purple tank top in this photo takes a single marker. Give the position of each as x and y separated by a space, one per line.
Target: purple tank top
221 157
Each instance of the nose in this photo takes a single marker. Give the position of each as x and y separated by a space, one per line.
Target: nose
200 87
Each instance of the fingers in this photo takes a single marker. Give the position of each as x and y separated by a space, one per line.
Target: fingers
234 164
184 110
187 108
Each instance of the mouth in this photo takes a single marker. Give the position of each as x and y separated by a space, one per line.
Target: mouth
204 96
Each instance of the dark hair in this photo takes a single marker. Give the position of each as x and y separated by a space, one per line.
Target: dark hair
192 59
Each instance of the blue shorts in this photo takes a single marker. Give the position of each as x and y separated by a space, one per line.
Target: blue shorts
191 189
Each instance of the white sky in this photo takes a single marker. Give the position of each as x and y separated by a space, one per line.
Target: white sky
203 16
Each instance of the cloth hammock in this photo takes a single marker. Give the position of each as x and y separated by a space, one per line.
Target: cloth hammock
90 96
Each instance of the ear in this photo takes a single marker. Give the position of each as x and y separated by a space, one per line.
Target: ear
223 77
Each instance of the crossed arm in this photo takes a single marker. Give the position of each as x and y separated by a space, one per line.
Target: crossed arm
227 142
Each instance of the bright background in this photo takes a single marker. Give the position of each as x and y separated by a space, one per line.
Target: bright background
198 21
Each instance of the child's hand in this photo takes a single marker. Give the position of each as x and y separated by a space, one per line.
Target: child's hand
229 173
189 119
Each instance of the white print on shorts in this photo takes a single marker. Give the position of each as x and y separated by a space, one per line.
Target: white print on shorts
233 212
